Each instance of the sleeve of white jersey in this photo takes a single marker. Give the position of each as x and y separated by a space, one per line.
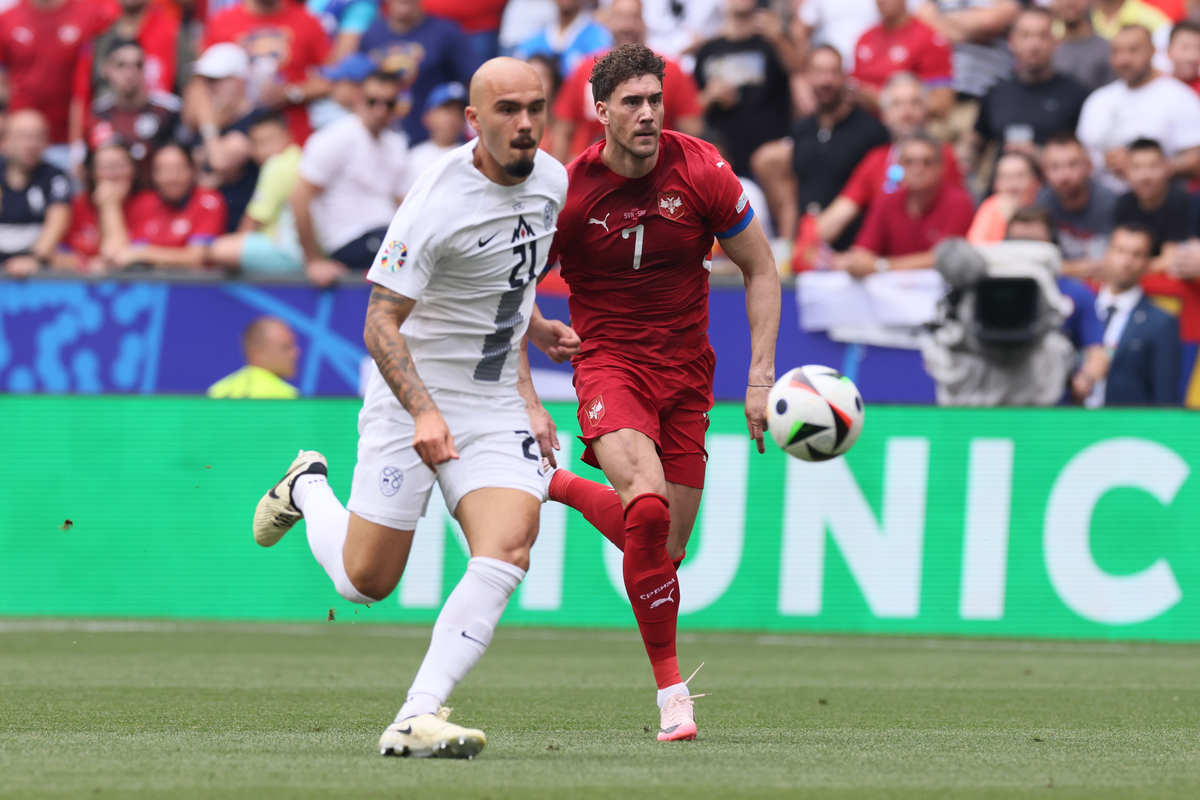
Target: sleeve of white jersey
323 157
411 247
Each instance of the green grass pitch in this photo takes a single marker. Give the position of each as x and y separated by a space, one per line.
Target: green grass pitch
180 710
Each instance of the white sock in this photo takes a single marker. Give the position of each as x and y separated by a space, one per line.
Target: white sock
327 522
665 694
462 632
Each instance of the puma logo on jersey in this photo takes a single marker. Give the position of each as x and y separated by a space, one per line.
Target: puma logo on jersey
661 600
601 222
720 164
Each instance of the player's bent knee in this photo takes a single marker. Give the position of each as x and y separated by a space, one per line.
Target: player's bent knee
365 585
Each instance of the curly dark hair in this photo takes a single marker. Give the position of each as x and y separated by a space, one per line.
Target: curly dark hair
624 63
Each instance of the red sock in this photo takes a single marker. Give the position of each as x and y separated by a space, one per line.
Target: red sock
652 584
598 503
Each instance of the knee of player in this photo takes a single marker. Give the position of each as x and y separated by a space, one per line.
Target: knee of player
516 553
370 582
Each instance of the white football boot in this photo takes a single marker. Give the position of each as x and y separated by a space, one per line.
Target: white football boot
431 736
678 716
276 513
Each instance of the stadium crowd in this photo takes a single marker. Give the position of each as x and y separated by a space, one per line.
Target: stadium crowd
277 137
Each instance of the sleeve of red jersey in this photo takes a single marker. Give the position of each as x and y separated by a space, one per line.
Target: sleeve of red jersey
137 215
568 105
211 221
934 65
871 236
858 188
727 208
681 96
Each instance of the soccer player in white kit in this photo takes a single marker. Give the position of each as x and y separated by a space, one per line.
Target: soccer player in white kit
450 398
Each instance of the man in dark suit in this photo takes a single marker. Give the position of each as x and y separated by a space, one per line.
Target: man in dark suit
1142 339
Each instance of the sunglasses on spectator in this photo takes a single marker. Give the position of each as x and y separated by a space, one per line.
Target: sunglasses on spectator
389 103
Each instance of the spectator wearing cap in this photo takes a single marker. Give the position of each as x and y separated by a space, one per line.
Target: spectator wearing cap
128 111
156 31
576 126
1081 53
35 197
266 240
271 353
444 120
427 51
904 102
346 76
222 150
807 170
571 37
285 45
169 225
903 228
1184 53
1141 104
109 183
902 43
352 176
743 79
1023 110
41 43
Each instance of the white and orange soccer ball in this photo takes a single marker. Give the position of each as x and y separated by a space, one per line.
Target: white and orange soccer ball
814 413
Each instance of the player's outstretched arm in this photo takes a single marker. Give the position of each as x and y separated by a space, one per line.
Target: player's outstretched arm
751 251
386 311
544 429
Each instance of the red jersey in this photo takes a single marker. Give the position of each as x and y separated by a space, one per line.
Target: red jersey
871 177
40 48
153 221
83 236
574 103
890 231
635 250
287 43
159 38
913 47
473 16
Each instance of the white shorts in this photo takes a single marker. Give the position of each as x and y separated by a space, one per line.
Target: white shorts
495 445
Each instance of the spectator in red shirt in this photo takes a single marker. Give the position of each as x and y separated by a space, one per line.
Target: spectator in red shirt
1184 52
479 19
152 27
576 125
904 227
109 182
170 225
904 102
285 44
901 43
41 42
128 111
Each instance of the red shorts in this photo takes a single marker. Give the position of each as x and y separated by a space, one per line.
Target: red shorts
668 403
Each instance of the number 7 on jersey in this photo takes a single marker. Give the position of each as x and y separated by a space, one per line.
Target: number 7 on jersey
639 232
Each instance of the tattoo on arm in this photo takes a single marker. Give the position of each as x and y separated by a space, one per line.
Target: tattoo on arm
386 310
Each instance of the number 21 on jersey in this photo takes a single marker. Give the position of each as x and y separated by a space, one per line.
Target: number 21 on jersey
638 232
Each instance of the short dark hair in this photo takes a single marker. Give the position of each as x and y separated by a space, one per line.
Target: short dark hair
1146 144
1137 26
1029 160
1063 138
551 63
120 44
269 118
627 62
1033 215
1186 26
1039 10
827 48
1141 228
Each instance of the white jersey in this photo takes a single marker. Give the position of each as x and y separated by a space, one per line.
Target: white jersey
469 251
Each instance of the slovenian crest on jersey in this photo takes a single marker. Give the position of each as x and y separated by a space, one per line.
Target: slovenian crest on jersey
670 204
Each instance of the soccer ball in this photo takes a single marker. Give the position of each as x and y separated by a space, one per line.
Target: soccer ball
814 413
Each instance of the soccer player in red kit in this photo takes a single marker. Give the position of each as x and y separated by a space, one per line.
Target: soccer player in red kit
634 238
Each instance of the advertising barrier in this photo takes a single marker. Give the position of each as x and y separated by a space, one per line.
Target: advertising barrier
1047 523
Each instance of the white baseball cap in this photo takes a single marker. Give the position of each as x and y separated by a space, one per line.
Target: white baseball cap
224 60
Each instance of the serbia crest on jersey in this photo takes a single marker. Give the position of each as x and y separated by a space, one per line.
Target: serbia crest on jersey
635 251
